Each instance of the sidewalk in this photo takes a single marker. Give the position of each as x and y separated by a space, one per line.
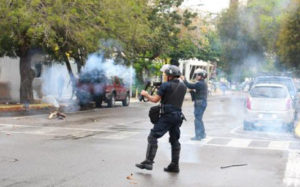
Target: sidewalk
21 109
9 110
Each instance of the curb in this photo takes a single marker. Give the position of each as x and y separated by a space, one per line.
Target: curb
20 107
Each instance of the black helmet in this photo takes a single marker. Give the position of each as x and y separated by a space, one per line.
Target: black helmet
171 70
201 72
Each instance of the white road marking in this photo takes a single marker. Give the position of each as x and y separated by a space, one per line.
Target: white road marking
12 126
233 131
7 126
239 143
260 135
42 131
28 133
279 145
202 142
119 135
292 170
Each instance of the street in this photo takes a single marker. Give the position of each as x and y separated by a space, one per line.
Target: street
100 147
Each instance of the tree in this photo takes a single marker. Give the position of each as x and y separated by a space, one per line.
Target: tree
125 25
289 38
248 36
141 31
199 40
69 30
165 23
20 32
264 18
233 39
61 28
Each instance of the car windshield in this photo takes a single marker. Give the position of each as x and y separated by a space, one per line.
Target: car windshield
268 92
285 81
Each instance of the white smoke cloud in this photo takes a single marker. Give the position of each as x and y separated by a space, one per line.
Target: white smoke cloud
110 68
56 81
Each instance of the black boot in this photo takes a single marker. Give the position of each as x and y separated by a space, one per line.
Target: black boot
151 152
174 166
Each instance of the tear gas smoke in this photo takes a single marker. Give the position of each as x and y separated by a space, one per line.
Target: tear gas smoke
56 84
109 67
99 71
256 61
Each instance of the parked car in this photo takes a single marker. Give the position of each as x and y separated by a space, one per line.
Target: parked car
94 86
269 105
287 81
115 90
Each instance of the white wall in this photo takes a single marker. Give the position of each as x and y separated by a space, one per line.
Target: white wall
9 72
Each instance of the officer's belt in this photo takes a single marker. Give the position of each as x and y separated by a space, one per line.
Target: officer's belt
169 108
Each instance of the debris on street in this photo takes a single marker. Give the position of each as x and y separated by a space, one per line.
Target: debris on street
234 165
15 160
57 114
8 159
130 177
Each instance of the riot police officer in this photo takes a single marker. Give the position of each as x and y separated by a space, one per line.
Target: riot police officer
171 94
199 97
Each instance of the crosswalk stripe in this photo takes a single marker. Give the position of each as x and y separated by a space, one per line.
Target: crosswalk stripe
202 142
239 142
118 135
292 172
280 145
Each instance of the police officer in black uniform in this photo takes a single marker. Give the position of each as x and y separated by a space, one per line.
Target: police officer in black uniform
199 97
171 94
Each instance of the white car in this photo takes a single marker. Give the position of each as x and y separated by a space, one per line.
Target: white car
269 106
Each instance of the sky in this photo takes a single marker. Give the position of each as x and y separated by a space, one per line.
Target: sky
213 6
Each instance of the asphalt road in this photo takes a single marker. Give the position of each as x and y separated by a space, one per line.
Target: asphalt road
100 148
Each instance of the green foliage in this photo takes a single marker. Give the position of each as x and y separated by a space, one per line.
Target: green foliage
19 28
289 37
266 16
248 32
138 31
211 49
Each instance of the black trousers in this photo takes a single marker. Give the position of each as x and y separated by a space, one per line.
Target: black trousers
168 122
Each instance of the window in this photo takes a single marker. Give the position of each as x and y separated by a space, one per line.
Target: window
268 92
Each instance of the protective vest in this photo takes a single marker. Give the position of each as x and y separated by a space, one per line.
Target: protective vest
175 94
201 90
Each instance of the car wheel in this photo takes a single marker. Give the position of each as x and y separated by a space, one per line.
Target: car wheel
98 101
126 101
111 102
247 126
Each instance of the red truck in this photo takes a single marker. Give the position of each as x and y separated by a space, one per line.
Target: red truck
96 87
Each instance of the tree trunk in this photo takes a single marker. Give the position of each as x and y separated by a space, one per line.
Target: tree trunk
27 75
69 68
79 65
72 77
